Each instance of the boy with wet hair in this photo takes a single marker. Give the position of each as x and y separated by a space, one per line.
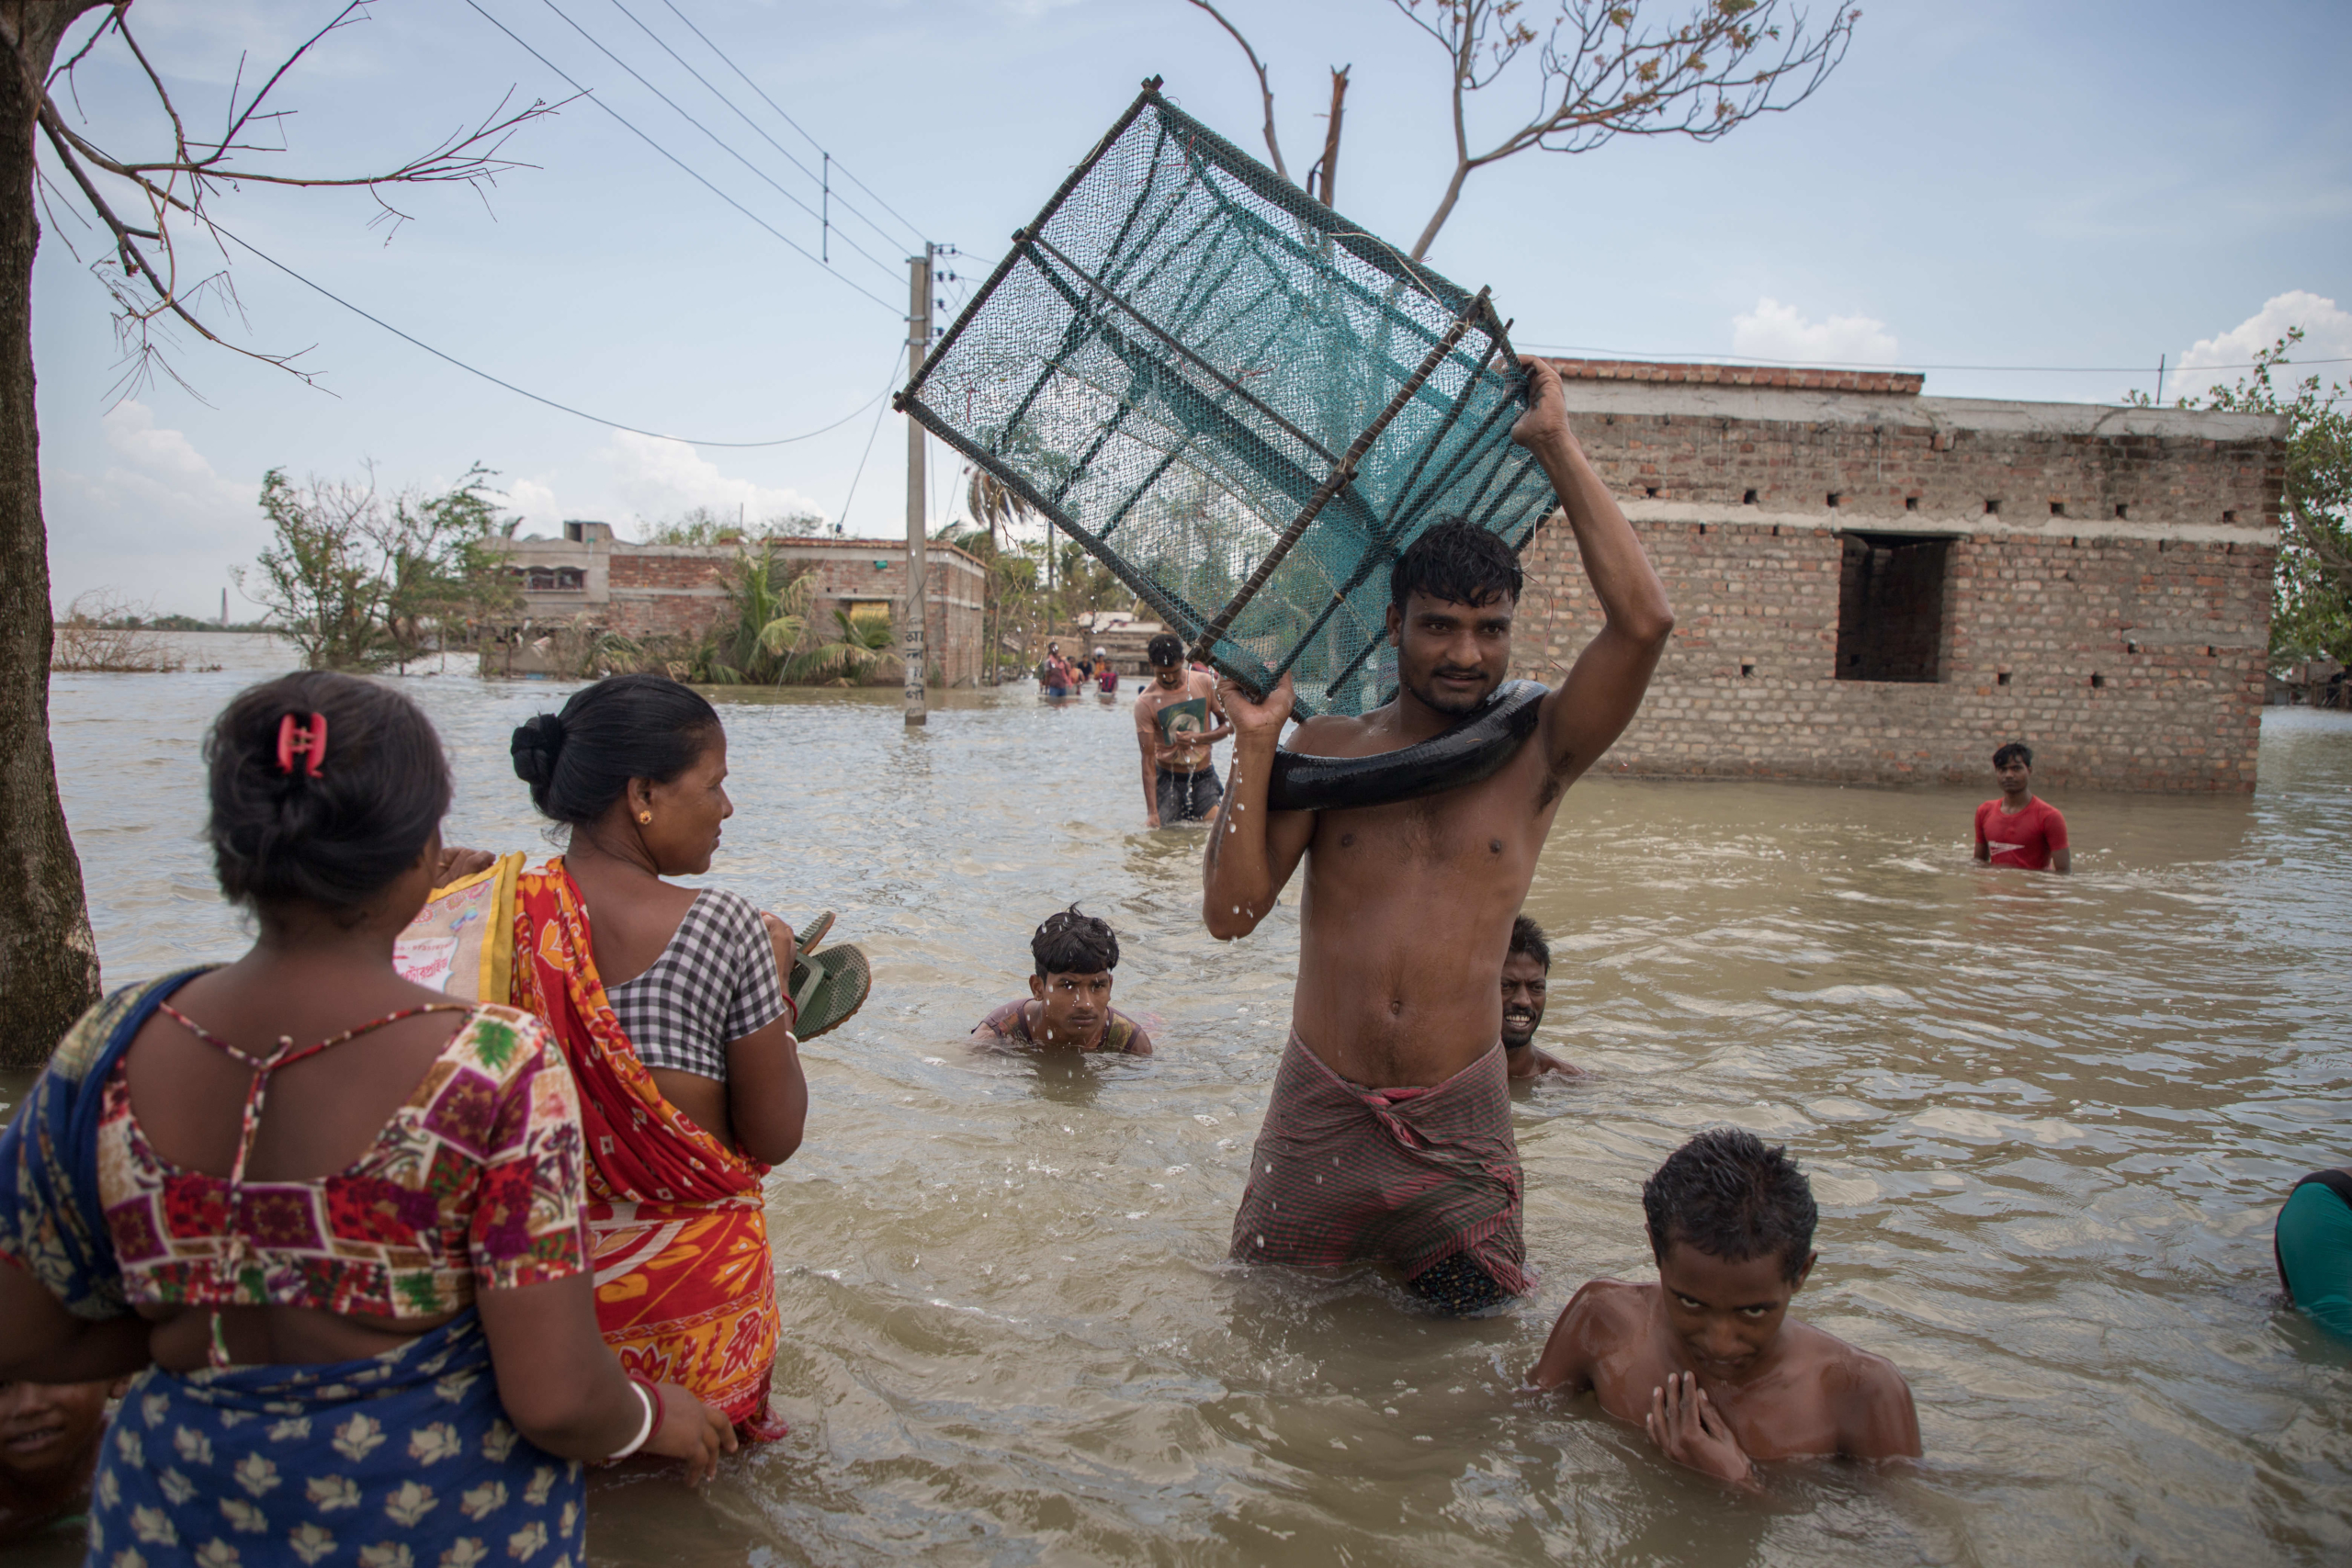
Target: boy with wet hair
1708 1359
1527 968
1068 1003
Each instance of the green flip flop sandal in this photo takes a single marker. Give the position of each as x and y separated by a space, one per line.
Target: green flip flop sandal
828 988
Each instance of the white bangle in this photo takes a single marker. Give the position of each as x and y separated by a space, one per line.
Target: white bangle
645 1428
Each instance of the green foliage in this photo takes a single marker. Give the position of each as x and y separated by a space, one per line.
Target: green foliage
359 585
2311 614
319 577
701 525
766 625
860 646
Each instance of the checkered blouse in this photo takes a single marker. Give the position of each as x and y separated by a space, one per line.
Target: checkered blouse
716 982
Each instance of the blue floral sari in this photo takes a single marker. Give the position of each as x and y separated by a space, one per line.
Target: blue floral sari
398 1461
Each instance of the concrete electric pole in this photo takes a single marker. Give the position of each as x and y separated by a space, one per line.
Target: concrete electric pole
918 582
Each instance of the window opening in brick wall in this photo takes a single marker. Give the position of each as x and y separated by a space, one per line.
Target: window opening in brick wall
2057 508
2121 511
2002 679
553 579
2229 516
1910 503
1650 490
1748 499
1833 497
2097 680
1991 509
1891 607
1747 671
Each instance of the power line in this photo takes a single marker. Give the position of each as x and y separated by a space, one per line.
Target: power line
1868 365
787 120
824 184
845 280
551 403
862 456
722 143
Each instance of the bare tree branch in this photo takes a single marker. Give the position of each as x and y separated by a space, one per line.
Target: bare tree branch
1265 87
1605 74
142 271
1329 164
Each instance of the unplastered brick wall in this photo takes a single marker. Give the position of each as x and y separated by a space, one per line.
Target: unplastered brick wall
2110 608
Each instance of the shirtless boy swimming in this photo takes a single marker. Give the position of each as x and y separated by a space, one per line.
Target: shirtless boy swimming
1069 995
1708 1359
1389 1137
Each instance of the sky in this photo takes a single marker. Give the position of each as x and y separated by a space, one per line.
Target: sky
2060 190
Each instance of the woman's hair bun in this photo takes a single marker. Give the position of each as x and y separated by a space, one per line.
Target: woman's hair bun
338 838
537 740
622 728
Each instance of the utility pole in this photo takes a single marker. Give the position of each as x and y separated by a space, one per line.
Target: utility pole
918 582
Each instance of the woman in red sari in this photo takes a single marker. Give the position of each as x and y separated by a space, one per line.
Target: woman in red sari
670 1005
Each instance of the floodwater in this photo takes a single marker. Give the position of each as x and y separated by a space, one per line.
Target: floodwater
2048 1120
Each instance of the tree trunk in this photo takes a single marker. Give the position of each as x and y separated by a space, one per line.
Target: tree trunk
49 963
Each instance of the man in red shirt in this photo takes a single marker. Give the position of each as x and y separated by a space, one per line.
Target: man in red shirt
2020 829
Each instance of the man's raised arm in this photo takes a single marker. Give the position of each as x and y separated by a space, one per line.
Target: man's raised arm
1250 853
1602 693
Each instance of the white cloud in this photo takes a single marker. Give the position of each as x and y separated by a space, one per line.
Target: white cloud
536 504
1774 330
156 522
657 478
2327 334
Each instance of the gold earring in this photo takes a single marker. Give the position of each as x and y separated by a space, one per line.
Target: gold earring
645 817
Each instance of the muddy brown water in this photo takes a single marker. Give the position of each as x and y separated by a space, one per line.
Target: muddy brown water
2048 1120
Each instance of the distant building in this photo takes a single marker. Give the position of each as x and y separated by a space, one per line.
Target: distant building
1872 585
646 590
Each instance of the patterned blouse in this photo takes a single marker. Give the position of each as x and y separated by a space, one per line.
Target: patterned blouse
473 1184
716 982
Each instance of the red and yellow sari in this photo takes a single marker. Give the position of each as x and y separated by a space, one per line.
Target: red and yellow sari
685 1289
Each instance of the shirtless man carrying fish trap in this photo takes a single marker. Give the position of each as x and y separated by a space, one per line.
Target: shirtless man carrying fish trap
1389 1137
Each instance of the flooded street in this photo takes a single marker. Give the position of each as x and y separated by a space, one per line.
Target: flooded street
2048 1120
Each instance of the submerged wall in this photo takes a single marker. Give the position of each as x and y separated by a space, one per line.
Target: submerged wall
1874 586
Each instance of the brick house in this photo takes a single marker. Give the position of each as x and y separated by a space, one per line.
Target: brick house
642 591
1874 586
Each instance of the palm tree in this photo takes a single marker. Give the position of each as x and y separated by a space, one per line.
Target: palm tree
995 506
861 644
769 626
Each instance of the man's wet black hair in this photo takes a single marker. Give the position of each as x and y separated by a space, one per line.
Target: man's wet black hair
1458 561
1165 649
2017 749
1527 937
336 841
1732 1197
579 760
1073 943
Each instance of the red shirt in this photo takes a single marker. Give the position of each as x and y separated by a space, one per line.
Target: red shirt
2027 839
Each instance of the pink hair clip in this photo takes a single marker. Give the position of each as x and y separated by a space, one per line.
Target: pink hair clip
309 741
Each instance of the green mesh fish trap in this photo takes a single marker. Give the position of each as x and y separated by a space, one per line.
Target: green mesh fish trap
1242 403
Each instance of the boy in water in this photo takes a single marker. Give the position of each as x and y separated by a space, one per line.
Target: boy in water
1525 971
1069 995
48 1445
2020 829
1178 715
1707 1359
